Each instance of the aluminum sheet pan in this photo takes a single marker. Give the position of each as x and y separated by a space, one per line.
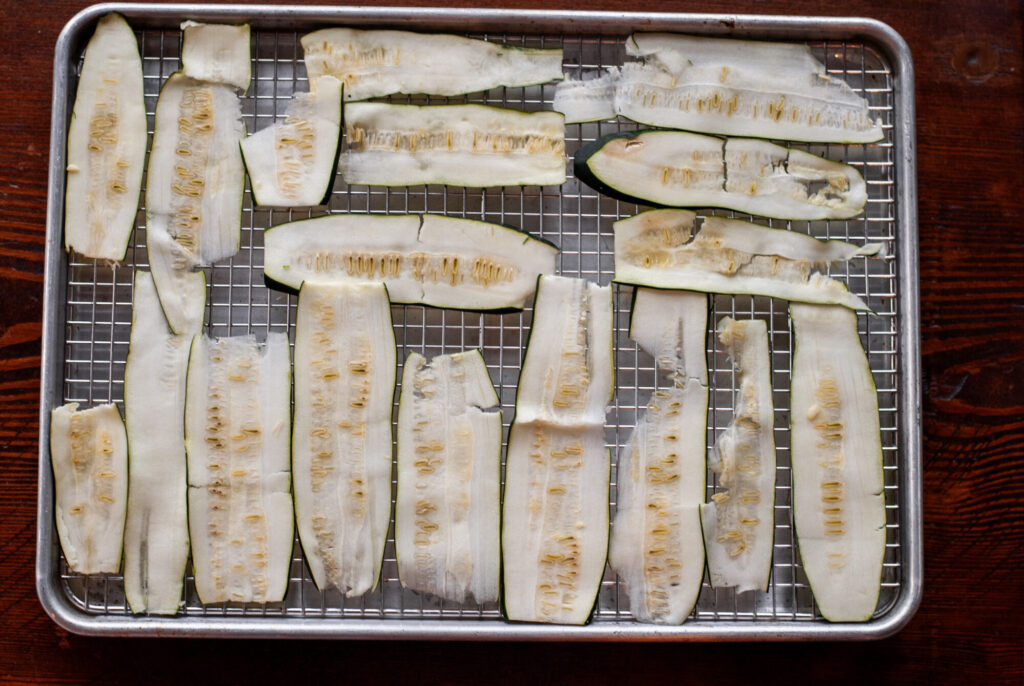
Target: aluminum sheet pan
88 313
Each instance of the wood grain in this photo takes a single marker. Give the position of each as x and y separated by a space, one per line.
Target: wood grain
970 99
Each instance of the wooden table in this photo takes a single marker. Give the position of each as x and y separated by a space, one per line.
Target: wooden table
970 134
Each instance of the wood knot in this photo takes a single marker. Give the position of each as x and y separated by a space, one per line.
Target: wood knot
975 61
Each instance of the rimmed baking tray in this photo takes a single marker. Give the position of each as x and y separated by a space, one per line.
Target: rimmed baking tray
87 316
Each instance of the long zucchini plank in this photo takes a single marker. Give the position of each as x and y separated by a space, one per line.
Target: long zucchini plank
341 445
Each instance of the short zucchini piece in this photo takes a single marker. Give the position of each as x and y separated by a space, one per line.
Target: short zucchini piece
375 63
293 162
655 249
657 548
555 517
156 543
341 444
239 484
838 502
106 145
678 169
460 145
428 259
89 455
724 86
217 53
447 513
739 522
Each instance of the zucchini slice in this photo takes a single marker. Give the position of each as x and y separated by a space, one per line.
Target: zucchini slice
293 162
838 503
724 86
106 145
239 484
156 541
739 522
341 444
657 548
89 455
447 513
216 53
678 169
374 63
181 290
460 145
428 259
654 248
555 517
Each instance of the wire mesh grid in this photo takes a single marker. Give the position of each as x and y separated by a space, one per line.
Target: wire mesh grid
573 216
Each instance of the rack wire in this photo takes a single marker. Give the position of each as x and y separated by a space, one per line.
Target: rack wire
573 216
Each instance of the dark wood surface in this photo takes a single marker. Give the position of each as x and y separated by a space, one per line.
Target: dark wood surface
970 143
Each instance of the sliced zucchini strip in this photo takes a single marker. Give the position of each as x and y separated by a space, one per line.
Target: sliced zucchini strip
293 162
375 63
555 517
447 514
428 259
341 446
106 144
657 547
239 483
89 455
460 145
679 169
739 522
156 541
217 53
724 86
654 248
838 503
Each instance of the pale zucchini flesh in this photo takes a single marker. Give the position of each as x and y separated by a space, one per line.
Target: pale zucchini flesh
156 543
239 485
341 445
739 521
293 162
680 169
217 53
655 249
479 146
555 516
724 86
89 455
657 548
106 145
428 259
447 514
838 502
375 63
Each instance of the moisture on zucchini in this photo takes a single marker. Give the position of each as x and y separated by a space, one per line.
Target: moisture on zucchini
679 169
724 86
217 53
293 162
655 249
460 145
341 444
106 144
657 548
739 521
375 63
555 517
156 540
237 410
835 444
449 460
428 259
89 455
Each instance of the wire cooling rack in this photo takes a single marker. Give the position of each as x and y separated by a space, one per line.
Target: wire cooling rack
98 314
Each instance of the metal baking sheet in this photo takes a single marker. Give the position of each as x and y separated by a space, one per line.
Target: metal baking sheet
88 313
